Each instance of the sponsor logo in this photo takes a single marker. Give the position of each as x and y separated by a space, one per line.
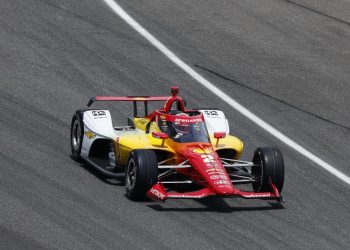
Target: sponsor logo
211 112
211 165
186 120
211 169
186 196
214 177
216 174
215 171
208 158
98 112
202 151
90 134
224 177
257 195
220 182
156 193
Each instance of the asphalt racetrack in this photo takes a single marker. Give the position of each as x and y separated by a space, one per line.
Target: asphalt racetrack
286 61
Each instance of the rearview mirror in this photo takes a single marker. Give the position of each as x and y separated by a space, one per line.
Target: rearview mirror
160 135
219 135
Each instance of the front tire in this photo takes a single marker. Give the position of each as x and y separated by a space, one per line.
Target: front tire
268 164
141 173
76 136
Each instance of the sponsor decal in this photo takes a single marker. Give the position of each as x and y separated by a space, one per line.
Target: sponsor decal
218 172
214 177
213 164
211 169
215 171
211 112
221 182
182 119
186 196
201 151
90 135
158 194
98 112
188 120
256 195
224 177
208 158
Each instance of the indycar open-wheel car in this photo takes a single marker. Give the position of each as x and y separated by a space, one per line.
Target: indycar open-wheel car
173 146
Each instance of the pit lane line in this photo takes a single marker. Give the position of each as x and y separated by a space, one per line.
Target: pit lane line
215 90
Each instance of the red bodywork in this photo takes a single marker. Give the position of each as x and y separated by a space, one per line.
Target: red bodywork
207 169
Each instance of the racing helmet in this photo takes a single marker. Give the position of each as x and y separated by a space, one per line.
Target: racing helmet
180 126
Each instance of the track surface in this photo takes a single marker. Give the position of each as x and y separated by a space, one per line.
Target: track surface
286 61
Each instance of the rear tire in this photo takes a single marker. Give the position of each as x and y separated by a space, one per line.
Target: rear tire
268 163
141 173
76 135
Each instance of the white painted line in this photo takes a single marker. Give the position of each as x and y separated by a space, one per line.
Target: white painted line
244 111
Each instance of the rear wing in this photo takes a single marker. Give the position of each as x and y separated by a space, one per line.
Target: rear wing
127 99
134 99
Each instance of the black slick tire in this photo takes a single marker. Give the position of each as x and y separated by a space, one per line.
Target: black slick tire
76 135
268 164
141 173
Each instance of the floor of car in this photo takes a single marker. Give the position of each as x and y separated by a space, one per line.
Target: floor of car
104 163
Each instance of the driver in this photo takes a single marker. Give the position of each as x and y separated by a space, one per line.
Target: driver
181 128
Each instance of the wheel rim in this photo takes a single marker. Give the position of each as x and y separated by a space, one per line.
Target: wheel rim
131 174
76 135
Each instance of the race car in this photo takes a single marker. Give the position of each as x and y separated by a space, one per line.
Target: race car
162 151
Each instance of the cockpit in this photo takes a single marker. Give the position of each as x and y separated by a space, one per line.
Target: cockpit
183 127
